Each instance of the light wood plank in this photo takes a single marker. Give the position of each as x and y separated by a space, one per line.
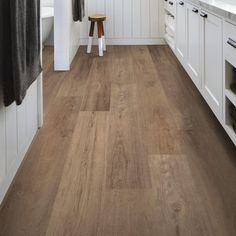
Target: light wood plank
97 96
81 184
127 167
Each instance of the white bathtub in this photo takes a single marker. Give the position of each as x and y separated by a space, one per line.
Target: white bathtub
47 22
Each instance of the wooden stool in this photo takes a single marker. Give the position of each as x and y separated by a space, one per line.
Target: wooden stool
101 36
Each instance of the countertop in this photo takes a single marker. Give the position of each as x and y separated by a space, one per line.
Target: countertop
224 8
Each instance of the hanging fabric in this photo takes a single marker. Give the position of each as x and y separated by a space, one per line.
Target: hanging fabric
21 48
78 10
6 73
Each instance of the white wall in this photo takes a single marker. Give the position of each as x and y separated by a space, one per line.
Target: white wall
47 3
66 34
128 21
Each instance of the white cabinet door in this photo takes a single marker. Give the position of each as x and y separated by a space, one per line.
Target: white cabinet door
212 72
181 31
193 43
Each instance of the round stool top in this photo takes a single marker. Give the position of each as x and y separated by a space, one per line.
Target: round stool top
97 17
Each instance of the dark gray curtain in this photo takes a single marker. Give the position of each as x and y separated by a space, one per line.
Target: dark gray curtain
6 73
78 10
20 47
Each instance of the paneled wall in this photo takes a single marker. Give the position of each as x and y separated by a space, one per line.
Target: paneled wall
128 21
18 125
66 33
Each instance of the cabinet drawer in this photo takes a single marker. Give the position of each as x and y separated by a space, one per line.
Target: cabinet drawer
165 3
230 39
170 6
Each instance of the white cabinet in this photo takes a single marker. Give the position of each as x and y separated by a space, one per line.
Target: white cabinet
200 37
212 56
180 31
193 43
170 7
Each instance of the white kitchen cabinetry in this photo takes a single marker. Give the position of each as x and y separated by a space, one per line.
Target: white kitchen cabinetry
212 58
229 68
193 43
180 31
205 45
170 11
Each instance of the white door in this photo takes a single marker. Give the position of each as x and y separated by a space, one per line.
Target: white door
212 71
181 31
193 43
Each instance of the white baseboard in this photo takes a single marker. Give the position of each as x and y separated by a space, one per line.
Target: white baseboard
152 41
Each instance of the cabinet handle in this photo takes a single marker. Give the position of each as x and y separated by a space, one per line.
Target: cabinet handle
171 3
195 10
165 0
204 15
231 42
181 3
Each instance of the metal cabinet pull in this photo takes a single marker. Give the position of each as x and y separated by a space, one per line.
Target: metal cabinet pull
204 15
195 10
181 3
231 42
171 3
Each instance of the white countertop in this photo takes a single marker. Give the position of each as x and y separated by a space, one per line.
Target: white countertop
224 8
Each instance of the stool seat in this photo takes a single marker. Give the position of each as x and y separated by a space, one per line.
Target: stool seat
97 17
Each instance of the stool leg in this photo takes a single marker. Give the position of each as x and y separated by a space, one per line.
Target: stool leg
90 42
103 38
100 46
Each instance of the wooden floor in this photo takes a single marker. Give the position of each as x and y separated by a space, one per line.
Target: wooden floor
128 148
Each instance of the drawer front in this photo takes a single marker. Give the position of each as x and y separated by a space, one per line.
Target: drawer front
170 6
165 4
230 39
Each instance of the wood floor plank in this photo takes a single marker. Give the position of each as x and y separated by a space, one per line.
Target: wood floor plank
80 191
186 211
98 91
122 70
124 98
160 128
178 196
77 78
130 212
127 167
48 61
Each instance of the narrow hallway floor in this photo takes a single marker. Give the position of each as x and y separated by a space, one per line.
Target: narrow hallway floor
128 148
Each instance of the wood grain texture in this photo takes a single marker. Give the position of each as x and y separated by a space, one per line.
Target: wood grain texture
81 184
97 96
130 148
126 167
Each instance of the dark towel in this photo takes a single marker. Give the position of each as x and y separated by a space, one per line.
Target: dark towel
232 111
21 47
233 87
78 10
234 126
6 73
